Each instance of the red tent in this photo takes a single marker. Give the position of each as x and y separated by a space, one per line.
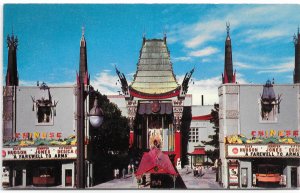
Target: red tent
155 162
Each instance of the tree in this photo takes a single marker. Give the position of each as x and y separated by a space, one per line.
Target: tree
214 154
110 142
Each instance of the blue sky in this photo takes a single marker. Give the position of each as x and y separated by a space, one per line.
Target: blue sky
49 35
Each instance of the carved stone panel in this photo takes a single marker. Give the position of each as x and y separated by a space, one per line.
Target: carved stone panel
232 89
232 114
177 110
132 109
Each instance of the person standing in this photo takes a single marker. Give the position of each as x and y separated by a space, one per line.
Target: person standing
118 173
123 172
199 171
115 173
129 169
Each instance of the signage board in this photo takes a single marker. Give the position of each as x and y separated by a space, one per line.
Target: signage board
233 174
39 153
263 150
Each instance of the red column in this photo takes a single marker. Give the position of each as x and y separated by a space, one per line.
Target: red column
131 138
177 146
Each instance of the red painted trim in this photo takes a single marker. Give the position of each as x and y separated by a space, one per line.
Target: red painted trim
202 117
131 138
170 94
177 146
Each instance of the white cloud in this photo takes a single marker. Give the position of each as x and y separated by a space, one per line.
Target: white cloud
206 87
242 65
183 58
34 83
198 40
204 52
280 68
254 22
105 83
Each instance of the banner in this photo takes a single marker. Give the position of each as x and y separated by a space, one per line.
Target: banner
233 175
39 153
260 150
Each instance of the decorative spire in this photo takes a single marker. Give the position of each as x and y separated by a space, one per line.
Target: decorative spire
297 57
82 41
83 69
228 28
228 76
12 78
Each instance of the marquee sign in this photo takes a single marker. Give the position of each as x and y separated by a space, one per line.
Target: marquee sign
39 153
263 151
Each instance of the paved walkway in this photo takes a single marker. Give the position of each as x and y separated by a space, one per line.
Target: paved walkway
206 181
129 182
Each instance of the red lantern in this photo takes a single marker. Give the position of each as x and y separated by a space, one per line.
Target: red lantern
3 153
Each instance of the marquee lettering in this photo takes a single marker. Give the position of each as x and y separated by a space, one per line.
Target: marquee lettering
274 133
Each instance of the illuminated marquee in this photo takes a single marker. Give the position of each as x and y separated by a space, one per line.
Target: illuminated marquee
37 135
280 133
263 151
39 153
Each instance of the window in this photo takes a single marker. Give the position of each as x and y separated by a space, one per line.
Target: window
268 113
194 134
44 114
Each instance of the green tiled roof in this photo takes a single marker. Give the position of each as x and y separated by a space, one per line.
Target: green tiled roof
154 73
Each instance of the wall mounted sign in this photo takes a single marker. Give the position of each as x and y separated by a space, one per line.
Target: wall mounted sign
263 151
233 173
37 135
271 133
39 153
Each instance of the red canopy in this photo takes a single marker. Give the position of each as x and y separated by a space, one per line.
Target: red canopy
198 152
202 117
156 162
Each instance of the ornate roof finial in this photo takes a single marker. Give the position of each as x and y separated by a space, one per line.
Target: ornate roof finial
82 29
227 28
12 30
295 39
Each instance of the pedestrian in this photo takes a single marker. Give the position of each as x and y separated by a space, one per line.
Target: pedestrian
118 173
132 168
199 170
129 169
123 172
115 173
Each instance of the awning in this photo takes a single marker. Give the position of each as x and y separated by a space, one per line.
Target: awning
202 117
198 151
155 162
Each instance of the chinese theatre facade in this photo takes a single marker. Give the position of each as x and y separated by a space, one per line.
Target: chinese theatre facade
155 100
259 135
259 131
39 130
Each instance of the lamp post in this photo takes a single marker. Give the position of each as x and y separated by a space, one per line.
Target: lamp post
96 119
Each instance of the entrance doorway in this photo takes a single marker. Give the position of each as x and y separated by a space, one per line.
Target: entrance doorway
294 177
18 175
68 177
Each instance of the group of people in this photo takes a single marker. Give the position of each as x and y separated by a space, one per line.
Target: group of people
198 171
117 171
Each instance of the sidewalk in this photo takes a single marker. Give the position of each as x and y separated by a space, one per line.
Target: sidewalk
207 181
129 182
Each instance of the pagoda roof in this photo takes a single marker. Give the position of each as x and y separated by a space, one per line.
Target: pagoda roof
154 75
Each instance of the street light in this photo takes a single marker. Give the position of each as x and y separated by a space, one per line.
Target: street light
96 119
96 114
